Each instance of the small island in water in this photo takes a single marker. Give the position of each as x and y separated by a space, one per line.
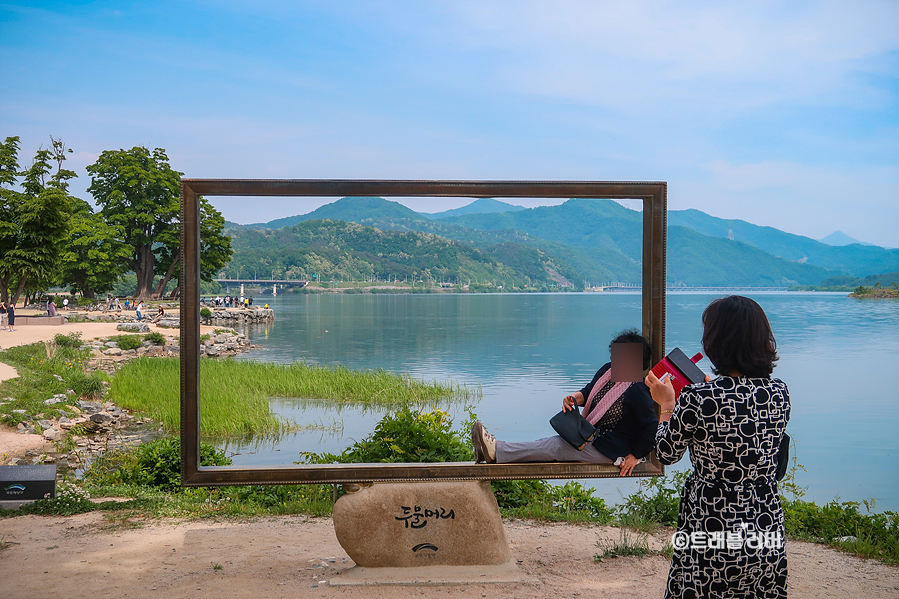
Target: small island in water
876 291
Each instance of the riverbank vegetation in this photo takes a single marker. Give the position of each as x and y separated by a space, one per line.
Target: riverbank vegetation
235 395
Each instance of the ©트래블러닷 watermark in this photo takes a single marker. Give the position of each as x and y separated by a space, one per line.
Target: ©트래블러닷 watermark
743 535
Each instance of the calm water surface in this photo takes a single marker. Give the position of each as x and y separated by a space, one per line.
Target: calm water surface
837 355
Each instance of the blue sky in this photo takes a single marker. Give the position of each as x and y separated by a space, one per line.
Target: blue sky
779 113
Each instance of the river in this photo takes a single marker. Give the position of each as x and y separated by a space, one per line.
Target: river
527 351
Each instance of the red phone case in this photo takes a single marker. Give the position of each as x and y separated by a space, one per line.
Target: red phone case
683 370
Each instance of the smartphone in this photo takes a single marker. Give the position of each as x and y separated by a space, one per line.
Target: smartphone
681 370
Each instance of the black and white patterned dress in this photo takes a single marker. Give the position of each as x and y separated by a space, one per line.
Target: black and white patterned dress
730 513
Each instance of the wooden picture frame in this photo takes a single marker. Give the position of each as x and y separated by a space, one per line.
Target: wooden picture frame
653 195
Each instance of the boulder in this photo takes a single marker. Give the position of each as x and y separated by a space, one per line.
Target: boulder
133 327
90 407
401 525
101 418
113 351
52 434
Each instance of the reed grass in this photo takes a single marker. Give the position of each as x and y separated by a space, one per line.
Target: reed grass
234 396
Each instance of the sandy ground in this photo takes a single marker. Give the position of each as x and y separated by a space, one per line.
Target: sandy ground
91 556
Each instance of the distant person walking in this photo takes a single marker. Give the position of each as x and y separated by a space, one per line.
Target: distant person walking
139 309
51 308
11 314
3 315
65 303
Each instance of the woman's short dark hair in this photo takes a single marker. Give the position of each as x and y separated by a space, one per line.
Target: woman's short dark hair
737 337
634 336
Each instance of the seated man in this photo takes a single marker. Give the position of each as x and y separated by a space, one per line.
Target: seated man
620 408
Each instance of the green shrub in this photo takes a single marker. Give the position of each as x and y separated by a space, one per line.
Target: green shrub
70 340
154 464
657 501
869 535
407 436
205 312
127 341
155 337
573 498
69 500
86 385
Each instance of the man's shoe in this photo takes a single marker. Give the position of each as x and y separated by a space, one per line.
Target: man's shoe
484 444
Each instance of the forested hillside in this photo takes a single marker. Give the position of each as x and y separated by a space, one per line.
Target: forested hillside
592 241
335 250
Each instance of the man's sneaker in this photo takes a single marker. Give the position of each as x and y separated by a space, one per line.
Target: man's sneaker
484 444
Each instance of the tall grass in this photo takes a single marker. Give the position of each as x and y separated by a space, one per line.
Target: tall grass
234 396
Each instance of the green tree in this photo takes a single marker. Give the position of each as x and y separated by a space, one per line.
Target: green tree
33 222
94 257
215 250
138 191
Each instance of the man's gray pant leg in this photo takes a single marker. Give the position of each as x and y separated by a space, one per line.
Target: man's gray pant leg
550 449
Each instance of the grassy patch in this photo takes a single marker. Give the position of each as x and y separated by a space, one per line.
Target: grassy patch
235 395
45 370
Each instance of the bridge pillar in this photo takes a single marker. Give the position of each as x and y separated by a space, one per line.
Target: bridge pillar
274 290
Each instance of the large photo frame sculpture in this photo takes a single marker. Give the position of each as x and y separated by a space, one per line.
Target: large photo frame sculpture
653 195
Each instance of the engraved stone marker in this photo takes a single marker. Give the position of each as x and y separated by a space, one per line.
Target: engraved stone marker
421 524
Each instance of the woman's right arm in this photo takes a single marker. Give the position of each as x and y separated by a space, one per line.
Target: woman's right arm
675 436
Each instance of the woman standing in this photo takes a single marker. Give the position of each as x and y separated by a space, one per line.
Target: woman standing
730 529
11 316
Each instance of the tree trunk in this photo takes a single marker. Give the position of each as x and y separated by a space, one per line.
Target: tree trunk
18 292
160 289
176 292
143 269
88 292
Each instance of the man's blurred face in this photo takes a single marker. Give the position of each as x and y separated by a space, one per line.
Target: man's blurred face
627 362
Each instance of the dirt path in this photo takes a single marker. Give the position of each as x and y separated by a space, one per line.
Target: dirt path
90 557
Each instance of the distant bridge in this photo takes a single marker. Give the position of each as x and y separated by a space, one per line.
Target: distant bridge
627 287
263 282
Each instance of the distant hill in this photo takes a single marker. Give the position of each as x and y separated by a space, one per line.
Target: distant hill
839 238
481 206
371 211
601 240
339 250
853 260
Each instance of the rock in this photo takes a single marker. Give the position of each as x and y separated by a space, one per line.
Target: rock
213 350
134 327
14 462
113 351
52 401
111 344
421 524
25 431
44 423
52 434
58 378
129 352
101 418
64 420
91 407
18 411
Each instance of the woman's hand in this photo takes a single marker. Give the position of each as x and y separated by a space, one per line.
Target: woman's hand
627 465
662 391
569 403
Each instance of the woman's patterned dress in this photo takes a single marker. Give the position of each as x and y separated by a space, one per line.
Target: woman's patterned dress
730 529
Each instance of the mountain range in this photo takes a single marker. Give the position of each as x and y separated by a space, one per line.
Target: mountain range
600 241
